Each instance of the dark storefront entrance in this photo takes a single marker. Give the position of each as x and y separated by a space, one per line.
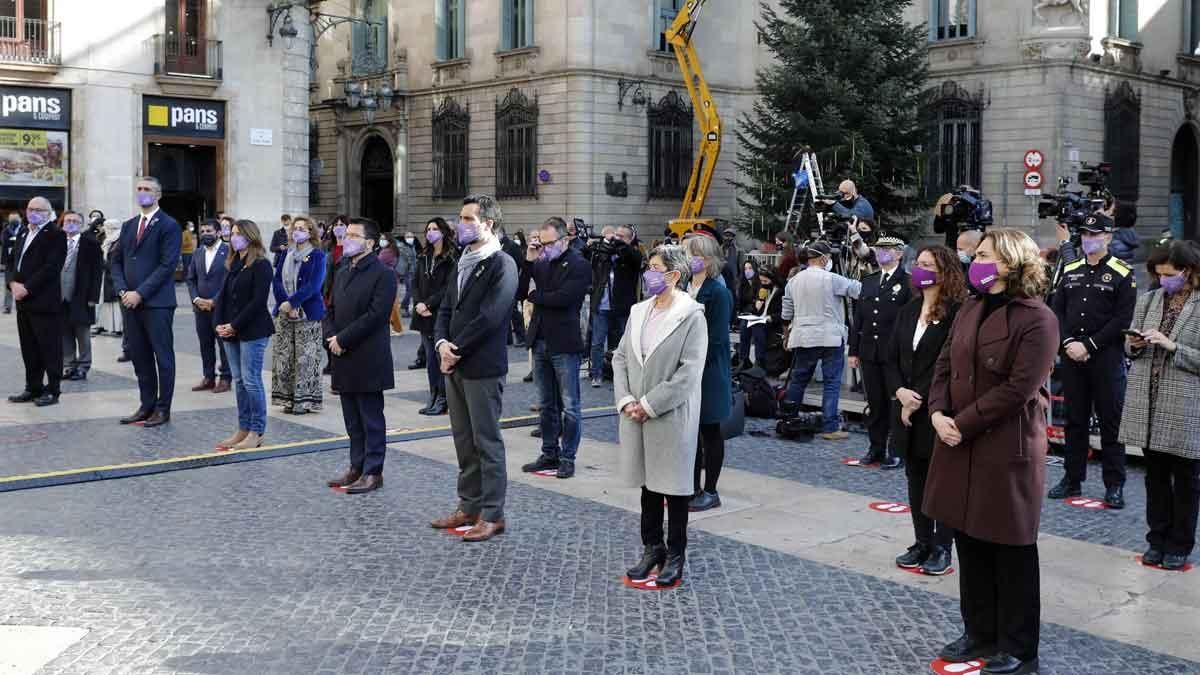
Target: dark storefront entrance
185 150
378 183
189 179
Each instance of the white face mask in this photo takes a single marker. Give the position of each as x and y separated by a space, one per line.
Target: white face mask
828 265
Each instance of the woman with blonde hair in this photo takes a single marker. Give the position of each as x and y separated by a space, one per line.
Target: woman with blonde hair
298 348
987 404
244 324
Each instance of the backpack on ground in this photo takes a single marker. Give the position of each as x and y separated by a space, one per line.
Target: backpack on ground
760 395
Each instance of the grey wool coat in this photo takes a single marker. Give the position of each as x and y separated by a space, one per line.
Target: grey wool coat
1175 428
661 452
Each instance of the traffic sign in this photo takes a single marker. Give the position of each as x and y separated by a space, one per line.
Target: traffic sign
1034 159
1033 180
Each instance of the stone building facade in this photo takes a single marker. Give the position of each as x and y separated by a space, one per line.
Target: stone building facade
523 99
188 90
1079 80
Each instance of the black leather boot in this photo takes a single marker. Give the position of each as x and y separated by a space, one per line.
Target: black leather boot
425 410
652 557
672 570
438 407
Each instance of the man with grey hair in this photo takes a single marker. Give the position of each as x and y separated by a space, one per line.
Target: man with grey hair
470 341
36 283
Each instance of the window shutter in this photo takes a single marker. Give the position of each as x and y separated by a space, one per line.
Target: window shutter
506 25
528 6
439 27
460 30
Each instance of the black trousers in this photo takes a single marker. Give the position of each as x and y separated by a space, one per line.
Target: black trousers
41 350
206 332
516 325
152 350
363 414
710 456
879 403
928 531
1172 502
652 520
1000 594
1098 383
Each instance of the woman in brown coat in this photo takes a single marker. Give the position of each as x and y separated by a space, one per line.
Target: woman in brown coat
988 407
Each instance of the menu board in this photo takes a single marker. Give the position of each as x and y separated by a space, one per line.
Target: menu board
33 157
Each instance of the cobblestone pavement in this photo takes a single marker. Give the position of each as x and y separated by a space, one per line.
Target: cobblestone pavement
257 568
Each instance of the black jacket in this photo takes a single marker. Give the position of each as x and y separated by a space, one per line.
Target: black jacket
242 302
913 369
8 237
432 279
40 269
203 283
358 315
625 263
560 288
89 270
514 250
279 240
875 313
477 319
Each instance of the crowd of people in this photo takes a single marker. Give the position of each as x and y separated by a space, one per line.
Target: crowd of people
953 345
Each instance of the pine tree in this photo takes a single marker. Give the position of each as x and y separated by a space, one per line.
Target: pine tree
847 82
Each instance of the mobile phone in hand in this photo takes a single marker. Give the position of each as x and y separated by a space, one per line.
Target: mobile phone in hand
1133 333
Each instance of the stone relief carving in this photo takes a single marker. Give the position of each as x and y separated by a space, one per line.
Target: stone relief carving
1078 8
1191 99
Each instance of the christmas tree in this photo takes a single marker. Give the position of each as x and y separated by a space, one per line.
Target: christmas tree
847 82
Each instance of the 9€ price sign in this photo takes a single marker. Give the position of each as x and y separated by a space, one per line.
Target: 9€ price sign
1034 159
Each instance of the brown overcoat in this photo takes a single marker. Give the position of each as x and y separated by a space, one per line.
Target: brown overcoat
991 379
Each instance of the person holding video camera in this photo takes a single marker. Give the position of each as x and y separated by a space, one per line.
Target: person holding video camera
851 204
1094 302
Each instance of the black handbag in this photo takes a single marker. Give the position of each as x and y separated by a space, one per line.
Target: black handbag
735 425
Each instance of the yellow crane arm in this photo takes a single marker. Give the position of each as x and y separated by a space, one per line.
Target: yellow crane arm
679 36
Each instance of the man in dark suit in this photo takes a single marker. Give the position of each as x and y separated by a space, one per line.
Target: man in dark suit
280 239
8 237
143 269
883 294
358 333
205 277
36 283
469 338
561 277
81 276
516 338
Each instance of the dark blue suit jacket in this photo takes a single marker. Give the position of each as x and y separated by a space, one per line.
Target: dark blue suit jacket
207 285
308 286
475 320
561 287
148 267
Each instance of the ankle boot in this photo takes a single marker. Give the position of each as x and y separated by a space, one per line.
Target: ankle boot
672 570
652 557
425 410
438 407
233 440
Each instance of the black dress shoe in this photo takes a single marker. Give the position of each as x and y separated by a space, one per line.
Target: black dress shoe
1007 664
704 501
542 463
158 419
1174 562
139 416
536 433
439 407
416 365
45 400
124 358
79 375
965 648
1065 489
425 410
1114 497
652 557
891 463
365 484
527 378
938 562
23 397
672 570
913 557
1152 556
871 457
566 469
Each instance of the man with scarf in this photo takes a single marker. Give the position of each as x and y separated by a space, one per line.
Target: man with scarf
470 341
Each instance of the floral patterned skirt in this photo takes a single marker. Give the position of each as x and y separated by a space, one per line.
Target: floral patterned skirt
296 369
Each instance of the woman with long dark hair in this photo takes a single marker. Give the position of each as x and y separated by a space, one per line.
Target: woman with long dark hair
435 271
922 327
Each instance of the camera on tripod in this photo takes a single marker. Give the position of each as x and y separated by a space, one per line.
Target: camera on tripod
965 210
1071 208
795 424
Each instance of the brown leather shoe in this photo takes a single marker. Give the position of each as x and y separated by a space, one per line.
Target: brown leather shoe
204 385
139 416
456 519
221 387
158 419
345 479
484 530
368 483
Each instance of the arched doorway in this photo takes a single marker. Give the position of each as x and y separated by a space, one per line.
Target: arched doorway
1185 175
378 183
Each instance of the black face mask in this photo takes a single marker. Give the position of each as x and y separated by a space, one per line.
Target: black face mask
868 236
208 239
847 199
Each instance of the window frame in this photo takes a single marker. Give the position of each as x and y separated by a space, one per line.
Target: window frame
662 22
1192 28
939 33
516 146
451 121
670 133
20 36
516 16
445 13
1118 13
950 108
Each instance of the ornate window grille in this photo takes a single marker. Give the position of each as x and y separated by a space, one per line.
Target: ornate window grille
314 165
516 146
369 41
952 119
669 124
1122 140
450 167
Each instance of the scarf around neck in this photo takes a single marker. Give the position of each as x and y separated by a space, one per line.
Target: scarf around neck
469 259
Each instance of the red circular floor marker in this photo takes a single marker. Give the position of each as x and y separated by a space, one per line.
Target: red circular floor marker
852 461
889 507
1186 568
546 473
917 571
1087 503
941 667
648 584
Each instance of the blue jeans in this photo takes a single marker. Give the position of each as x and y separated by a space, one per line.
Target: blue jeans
752 335
557 377
246 364
804 363
599 339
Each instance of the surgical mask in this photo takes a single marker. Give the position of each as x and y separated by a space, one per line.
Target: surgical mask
1174 283
300 236
339 231
550 252
145 199
828 265
983 275
37 218
885 256
208 239
467 233
409 240
749 274
353 247
1092 245
72 227
433 236
697 264
923 278
964 258
655 282
239 242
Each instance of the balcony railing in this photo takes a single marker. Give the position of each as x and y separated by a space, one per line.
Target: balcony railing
29 41
187 56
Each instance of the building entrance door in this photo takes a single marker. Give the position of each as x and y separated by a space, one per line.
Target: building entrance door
378 184
189 178
1185 176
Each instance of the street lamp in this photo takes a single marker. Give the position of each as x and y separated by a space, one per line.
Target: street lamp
371 101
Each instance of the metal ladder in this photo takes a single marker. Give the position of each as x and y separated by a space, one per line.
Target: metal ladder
810 173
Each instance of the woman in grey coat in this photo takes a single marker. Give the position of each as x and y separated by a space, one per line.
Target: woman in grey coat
1161 414
656 380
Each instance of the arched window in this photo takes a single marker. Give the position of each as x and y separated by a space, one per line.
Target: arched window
670 152
952 119
450 128
516 146
1123 140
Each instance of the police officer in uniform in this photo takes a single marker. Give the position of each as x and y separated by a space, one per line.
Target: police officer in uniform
1094 303
883 294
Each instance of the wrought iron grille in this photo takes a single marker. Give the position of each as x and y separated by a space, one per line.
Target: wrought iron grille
314 165
1122 140
450 155
670 153
516 146
952 120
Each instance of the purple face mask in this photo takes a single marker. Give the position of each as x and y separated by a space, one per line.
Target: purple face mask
36 218
72 227
300 236
467 232
145 199
433 236
885 256
239 242
749 275
352 247
697 264
1174 283
923 278
983 275
339 231
655 282
1092 245
550 252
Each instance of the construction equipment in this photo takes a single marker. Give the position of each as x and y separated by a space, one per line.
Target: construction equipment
807 178
679 36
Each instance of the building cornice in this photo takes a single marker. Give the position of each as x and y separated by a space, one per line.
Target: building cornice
1004 68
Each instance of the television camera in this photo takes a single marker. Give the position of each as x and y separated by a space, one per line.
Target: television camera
963 209
1072 207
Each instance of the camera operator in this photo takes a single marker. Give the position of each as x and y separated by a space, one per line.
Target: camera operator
616 265
862 237
814 305
1094 303
967 243
851 203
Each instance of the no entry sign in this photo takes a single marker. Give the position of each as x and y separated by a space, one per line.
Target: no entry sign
1034 159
